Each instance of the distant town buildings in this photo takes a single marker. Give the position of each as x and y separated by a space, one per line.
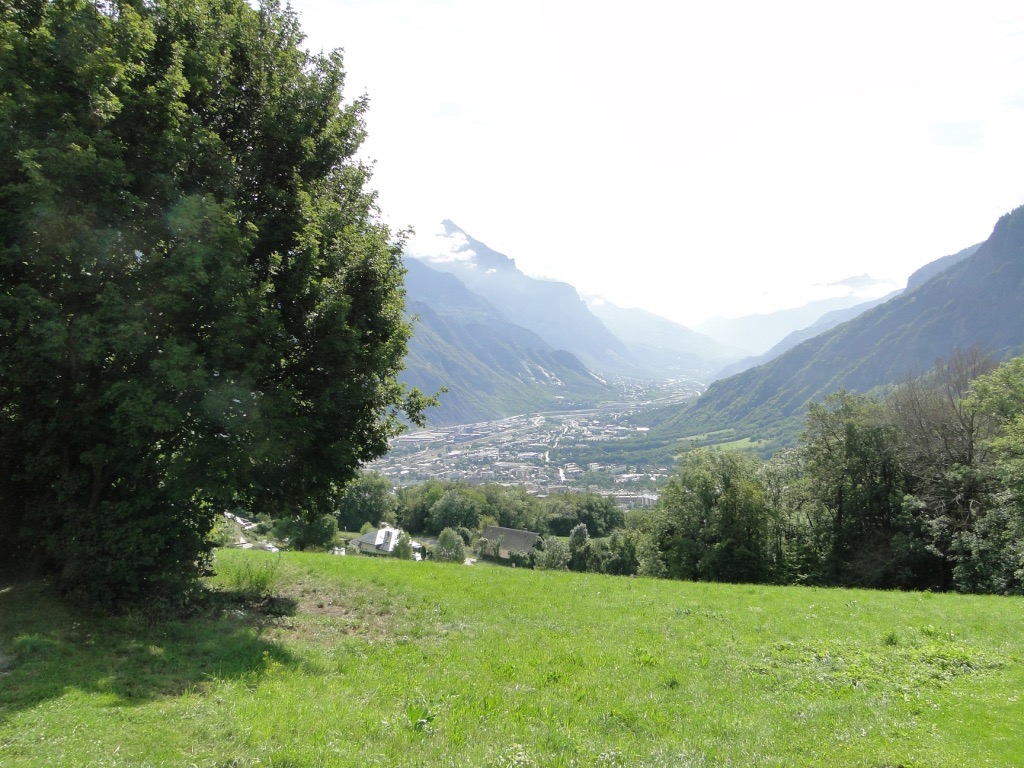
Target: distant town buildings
518 451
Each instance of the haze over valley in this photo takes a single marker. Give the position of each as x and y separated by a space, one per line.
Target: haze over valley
504 344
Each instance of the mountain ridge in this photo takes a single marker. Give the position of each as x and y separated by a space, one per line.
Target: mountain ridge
971 302
551 309
491 367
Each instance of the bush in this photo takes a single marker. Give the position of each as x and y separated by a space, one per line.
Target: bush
223 533
450 547
554 557
403 549
305 533
518 559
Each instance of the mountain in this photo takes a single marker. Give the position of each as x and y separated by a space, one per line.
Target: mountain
661 345
836 317
825 322
758 333
975 301
492 367
931 269
553 310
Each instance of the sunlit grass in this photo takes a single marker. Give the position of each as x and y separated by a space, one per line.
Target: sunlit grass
383 662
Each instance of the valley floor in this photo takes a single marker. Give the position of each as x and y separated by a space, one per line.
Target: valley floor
591 449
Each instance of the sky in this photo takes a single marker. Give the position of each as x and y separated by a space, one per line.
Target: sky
695 159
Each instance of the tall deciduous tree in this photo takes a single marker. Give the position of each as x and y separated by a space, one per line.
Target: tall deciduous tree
716 519
944 444
366 499
993 559
198 304
854 465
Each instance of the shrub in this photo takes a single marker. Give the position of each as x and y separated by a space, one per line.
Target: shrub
306 533
518 559
450 547
554 557
403 549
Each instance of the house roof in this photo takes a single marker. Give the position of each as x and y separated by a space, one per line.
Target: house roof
511 538
383 539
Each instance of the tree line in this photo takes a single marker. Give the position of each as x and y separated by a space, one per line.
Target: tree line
918 487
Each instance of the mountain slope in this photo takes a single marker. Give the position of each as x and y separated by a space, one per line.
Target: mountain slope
930 270
661 345
976 301
824 323
491 367
837 317
551 309
756 334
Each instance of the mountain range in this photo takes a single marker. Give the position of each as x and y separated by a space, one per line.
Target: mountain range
490 366
662 346
838 316
969 299
502 342
553 310
758 333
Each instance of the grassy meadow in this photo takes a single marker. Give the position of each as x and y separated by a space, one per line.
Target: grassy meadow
365 662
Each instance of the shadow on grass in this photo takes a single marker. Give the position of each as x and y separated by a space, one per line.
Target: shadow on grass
47 648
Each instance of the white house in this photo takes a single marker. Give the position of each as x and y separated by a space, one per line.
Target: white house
383 541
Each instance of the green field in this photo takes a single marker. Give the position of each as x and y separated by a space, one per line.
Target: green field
362 662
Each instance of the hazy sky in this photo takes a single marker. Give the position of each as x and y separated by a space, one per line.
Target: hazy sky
695 159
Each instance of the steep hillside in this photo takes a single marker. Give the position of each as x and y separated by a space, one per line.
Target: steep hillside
976 301
930 270
756 334
824 323
837 317
491 367
553 310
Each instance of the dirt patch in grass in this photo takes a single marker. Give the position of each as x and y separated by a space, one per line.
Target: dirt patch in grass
371 614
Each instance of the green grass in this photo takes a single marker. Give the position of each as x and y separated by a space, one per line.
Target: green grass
738 445
362 661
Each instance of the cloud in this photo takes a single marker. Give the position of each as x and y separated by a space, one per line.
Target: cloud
967 133
864 285
438 246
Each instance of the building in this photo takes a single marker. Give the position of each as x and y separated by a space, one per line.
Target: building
510 539
383 542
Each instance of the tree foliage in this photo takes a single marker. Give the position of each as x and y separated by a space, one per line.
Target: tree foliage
554 556
305 532
199 307
403 548
450 547
598 513
368 498
920 488
715 524
459 507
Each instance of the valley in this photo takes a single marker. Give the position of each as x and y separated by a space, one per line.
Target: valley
551 451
